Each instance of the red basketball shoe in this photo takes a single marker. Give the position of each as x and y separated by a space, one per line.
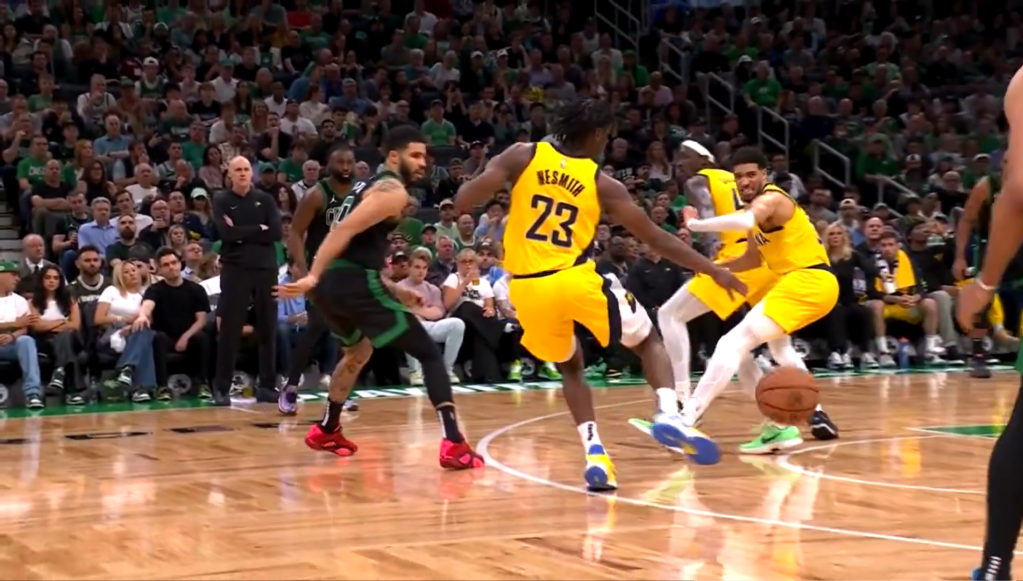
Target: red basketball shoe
334 442
458 456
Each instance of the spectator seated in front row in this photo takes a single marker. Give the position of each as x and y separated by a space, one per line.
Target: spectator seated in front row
15 343
902 299
57 331
131 344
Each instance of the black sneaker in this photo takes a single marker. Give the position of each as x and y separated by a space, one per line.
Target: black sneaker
222 399
164 394
74 399
124 378
57 380
35 402
979 368
141 396
822 427
205 393
350 405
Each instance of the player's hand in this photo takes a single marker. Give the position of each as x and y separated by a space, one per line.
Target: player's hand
689 213
971 302
728 281
297 288
409 297
959 269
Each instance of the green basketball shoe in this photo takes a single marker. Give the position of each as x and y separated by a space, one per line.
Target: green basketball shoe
772 439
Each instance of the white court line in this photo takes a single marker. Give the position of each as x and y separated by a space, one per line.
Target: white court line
785 463
483 449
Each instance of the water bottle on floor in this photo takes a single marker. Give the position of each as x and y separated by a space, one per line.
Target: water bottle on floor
903 353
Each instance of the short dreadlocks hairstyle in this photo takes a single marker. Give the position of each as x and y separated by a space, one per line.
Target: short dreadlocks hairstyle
577 120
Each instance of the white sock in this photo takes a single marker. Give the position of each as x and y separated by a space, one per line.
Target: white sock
667 401
676 342
589 435
882 345
818 408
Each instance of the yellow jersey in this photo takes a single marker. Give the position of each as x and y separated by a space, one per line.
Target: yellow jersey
725 196
553 215
792 246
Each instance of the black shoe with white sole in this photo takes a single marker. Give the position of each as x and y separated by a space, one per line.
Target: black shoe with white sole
822 427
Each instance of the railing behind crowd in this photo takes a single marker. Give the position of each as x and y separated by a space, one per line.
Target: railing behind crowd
764 130
674 58
621 20
718 94
892 192
837 159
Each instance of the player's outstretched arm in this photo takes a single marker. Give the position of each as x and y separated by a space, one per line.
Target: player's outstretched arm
495 176
618 205
307 209
384 199
762 210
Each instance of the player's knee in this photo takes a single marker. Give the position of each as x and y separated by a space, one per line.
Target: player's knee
358 354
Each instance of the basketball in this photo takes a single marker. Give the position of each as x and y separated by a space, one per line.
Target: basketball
787 396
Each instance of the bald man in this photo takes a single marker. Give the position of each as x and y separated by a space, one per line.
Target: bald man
249 226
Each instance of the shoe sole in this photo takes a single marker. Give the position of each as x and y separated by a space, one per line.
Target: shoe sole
343 452
701 450
597 479
772 448
644 426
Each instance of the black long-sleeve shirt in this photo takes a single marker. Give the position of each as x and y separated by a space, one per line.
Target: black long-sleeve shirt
845 272
653 283
245 242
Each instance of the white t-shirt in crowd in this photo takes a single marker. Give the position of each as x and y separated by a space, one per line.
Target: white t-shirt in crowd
126 306
52 312
11 307
474 293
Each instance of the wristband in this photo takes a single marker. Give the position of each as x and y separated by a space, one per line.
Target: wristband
987 288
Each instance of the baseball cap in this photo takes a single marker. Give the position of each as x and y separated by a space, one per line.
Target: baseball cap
399 255
476 53
447 202
267 168
200 193
150 61
8 266
286 217
429 227
847 203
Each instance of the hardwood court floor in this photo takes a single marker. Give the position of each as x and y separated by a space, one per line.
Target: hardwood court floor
230 495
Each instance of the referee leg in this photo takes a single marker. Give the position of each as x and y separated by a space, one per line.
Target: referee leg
232 308
265 307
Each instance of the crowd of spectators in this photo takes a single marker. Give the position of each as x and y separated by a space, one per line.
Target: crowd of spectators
118 122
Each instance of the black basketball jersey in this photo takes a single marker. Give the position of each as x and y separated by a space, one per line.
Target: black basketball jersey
335 206
367 249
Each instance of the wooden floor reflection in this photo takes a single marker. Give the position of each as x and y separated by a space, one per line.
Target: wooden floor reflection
226 494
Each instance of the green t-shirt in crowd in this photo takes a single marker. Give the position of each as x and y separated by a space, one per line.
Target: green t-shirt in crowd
764 93
292 171
31 169
438 133
192 152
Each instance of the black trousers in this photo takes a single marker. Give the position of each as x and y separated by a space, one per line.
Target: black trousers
847 323
240 288
196 355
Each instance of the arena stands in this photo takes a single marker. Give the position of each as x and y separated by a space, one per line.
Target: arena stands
118 121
